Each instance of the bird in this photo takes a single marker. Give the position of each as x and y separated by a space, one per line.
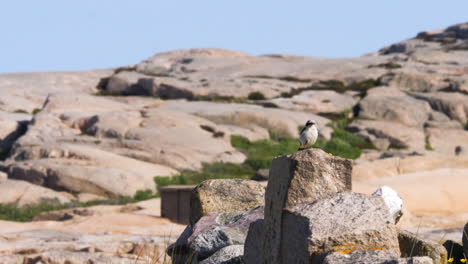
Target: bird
308 135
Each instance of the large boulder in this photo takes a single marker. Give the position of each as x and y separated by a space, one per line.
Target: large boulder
342 222
398 135
411 245
229 195
454 105
23 193
212 233
303 177
450 142
402 109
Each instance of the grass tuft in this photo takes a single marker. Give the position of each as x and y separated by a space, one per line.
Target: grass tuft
11 212
256 96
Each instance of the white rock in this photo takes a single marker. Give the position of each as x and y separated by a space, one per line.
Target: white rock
392 200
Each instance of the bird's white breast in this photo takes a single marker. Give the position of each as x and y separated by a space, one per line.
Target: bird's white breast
309 136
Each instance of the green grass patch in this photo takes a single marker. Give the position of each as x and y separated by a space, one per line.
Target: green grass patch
256 96
11 212
20 111
217 170
427 144
220 98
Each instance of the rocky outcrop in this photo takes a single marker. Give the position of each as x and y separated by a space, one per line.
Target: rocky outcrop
21 193
321 102
454 105
228 196
396 135
400 109
283 121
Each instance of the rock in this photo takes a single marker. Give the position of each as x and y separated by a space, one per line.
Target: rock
227 255
454 250
310 229
238 222
254 242
27 91
400 136
305 176
12 126
454 105
374 257
261 175
411 245
88 197
250 116
78 257
3 176
62 215
446 141
207 243
465 240
218 72
225 196
392 200
324 101
11 259
252 132
408 186
61 175
24 193
402 109
133 83
416 82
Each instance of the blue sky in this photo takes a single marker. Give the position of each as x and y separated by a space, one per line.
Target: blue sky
53 35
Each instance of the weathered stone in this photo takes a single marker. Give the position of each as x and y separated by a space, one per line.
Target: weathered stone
235 221
254 242
324 101
24 193
227 255
400 136
392 200
225 196
411 245
402 109
210 241
446 141
303 177
250 116
454 105
374 257
344 221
